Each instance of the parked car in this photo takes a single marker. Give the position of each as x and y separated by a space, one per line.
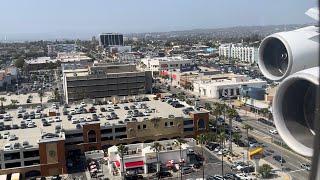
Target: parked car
279 158
162 174
306 166
273 131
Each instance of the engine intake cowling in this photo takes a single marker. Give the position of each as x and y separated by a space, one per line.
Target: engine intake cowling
294 110
285 53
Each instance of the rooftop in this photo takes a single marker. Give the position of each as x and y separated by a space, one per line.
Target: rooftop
154 109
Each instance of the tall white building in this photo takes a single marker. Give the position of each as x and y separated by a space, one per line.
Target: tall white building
243 53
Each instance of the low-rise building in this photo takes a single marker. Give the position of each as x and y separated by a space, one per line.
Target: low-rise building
142 156
158 64
49 149
53 49
225 88
105 80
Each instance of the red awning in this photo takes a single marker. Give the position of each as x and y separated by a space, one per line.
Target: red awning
117 163
134 164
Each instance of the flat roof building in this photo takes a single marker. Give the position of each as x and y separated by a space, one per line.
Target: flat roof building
45 149
105 80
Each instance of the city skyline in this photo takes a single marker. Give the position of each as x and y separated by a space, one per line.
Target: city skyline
35 19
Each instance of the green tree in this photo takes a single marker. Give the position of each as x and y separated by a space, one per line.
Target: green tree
122 149
236 137
222 138
265 170
157 147
19 63
231 113
41 94
2 99
202 139
56 94
14 103
178 142
207 106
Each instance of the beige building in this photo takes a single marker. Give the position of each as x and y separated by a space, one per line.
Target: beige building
105 80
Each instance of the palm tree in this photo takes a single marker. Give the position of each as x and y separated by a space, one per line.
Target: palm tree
14 102
246 98
122 149
222 138
236 137
247 128
41 94
157 147
231 113
207 106
178 142
202 139
2 99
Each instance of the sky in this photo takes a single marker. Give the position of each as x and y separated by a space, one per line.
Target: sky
27 19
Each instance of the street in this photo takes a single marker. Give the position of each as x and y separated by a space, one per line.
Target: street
261 132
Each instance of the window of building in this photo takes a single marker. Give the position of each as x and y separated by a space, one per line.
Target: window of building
30 163
12 165
11 156
188 129
139 127
92 136
72 143
74 135
122 129
28 154
106 138
121 136
144 126
171 123
166 124
201 124
106 131
188 122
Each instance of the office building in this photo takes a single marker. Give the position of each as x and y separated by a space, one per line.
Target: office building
110 39
105 80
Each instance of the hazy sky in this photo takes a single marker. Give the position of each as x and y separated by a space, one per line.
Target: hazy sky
84 18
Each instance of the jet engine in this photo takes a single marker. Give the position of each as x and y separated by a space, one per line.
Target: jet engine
285 53
294 110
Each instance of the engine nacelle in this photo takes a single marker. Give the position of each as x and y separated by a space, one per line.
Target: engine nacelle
294 110
285 53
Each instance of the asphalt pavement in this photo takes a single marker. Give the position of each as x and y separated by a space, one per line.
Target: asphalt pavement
261 132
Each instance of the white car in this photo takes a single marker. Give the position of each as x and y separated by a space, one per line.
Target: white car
50 120
82 119
57 119
7 147
7 117
83 104
31 125
6 135
72 112
37 115
273 131
74 120
12 137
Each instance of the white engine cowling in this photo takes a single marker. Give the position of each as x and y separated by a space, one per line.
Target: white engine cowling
294 110
285 53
